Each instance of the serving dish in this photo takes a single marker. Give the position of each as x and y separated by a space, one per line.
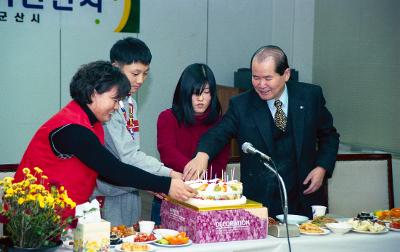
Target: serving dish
293 218
339 228
165 232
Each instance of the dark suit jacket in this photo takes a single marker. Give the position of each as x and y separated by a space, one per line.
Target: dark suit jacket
249 120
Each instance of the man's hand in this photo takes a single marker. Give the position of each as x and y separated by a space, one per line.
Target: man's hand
180 191
316 177
196 167
174 174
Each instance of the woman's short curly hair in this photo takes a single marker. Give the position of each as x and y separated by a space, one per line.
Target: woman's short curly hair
99 76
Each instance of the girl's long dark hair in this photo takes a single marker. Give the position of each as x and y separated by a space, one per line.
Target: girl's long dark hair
193 80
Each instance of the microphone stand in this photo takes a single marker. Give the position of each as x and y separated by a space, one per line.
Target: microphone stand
285 206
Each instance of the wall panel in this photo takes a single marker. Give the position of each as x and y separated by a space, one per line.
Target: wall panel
356 59
176 35
29 84
235 30
80 46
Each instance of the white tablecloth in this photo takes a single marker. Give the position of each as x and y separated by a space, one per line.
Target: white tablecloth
328 243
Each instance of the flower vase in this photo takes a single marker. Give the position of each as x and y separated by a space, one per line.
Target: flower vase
43 249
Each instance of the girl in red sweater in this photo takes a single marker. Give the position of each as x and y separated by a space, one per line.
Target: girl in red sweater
195 109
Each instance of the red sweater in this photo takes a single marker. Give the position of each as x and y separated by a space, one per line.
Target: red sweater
177 144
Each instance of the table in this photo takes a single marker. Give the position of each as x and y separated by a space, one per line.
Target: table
327 243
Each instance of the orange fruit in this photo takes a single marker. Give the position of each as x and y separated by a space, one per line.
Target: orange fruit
173 240
395 212
185 240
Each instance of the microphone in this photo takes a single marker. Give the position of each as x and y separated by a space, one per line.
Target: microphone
249 149
279 231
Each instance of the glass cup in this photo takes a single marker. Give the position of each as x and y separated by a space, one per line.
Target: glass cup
318 211
146 226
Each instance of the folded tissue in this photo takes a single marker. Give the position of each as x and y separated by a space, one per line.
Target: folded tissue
92 233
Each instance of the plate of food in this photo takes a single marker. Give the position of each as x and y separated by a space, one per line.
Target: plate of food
178 240
385 230
142 238
368 227
324 232
321 221
388 215
394 226
133 246
189 242
312 229
122 231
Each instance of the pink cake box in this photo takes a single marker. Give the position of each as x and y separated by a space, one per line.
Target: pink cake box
246 222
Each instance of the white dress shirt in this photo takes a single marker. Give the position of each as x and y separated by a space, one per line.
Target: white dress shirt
285 103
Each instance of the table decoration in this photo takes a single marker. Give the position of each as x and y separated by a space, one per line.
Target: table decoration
32 211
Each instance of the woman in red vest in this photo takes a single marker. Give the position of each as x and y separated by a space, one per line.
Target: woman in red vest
69 146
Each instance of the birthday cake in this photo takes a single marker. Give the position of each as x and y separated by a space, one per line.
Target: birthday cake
216 189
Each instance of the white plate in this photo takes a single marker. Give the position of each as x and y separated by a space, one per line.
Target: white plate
169 245
369 232
326 231
395 229
293 218
165 232
151 248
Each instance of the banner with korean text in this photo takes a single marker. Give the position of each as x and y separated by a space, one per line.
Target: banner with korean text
101 15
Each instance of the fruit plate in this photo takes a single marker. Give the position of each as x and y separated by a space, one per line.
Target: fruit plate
170 245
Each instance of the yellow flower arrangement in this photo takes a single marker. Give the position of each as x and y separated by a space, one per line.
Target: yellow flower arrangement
32 210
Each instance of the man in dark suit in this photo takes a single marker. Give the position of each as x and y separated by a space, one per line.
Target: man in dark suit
287 121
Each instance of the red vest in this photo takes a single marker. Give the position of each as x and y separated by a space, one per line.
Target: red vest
78 179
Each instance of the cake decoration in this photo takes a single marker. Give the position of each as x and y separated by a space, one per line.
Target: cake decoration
216 189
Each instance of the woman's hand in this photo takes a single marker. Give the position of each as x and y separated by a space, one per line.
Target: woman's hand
180 191
196 167
174 174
